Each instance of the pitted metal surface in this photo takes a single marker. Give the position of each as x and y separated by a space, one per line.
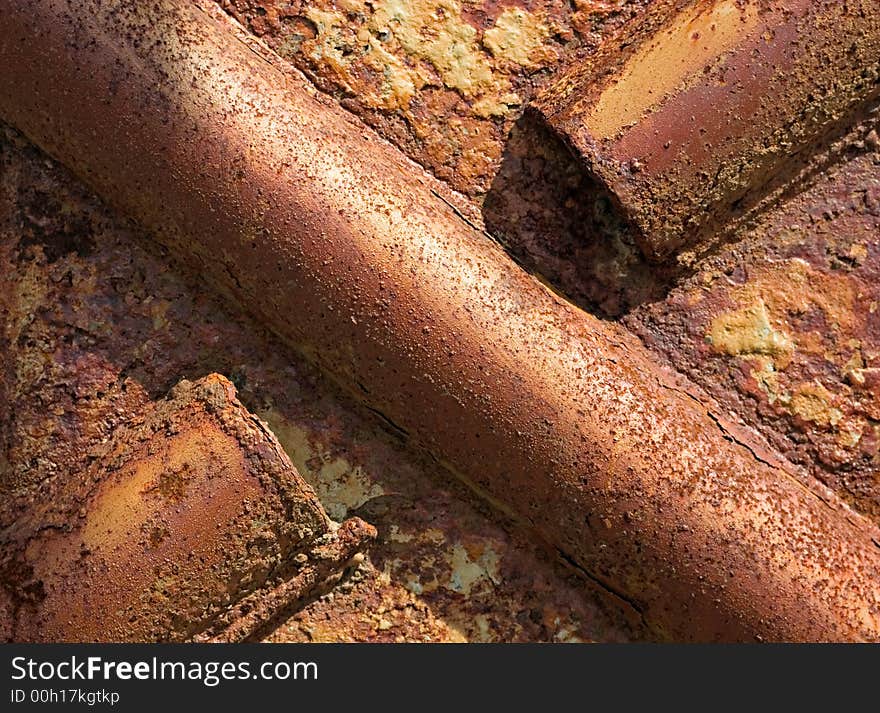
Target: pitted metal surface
635 475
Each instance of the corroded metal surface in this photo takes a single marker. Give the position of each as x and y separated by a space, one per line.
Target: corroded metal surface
258 614
784 327
95 328
628 470
536 209
195 491
703 108
442 79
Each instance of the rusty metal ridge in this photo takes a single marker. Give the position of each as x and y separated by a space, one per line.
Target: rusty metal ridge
330 236
702 108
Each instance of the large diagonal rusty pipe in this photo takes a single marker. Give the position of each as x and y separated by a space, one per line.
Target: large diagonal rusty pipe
341 245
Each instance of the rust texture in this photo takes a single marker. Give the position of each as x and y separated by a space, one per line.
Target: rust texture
705 109
783 327
778 326
273 194
259 612
96 328
199 494
536 209
441 79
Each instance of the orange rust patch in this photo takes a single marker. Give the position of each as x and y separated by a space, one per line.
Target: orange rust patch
445 79
184 515
694 39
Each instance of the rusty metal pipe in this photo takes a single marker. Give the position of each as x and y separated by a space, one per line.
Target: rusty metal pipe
704 107
340 244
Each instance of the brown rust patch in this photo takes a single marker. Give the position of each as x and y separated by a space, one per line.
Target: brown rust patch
135 567
791 317
813 402
443 79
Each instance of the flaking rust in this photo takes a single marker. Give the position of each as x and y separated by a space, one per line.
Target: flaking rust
95 326
274 195
441 79
324 564
704 109
183 519
783 327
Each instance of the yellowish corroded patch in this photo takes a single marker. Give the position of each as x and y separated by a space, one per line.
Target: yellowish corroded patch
336 49
437 40
854 369
433 30
858 253
339 485
850 433
748 332
813 402
395 535
768 380
468 568
466 571
567 634
519 37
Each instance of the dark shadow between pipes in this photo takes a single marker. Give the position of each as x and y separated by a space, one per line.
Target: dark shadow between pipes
559 223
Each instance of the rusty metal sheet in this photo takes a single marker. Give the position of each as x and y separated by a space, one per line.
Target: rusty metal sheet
783 327
441 79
